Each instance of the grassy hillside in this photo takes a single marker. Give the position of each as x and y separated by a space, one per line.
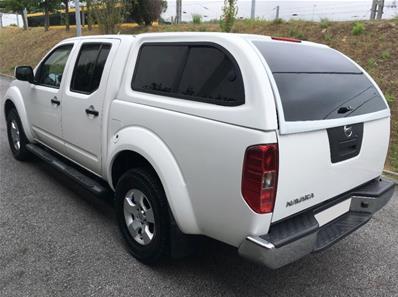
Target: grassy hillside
373 45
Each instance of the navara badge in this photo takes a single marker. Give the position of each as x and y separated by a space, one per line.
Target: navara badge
348 131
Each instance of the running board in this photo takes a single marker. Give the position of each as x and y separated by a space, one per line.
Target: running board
85 181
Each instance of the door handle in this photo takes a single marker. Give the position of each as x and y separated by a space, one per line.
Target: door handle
92 111
55 101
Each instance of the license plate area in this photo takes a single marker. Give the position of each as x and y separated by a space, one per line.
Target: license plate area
329 214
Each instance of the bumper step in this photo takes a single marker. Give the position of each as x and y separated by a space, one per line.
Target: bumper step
293 238
83 179
339 228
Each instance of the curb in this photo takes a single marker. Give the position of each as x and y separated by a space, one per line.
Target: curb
391 175
6 76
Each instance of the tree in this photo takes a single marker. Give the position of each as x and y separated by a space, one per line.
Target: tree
89 13
17 6
109 14
66 5
230 10
47 6
147 11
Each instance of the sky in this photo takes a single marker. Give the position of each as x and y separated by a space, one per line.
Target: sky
291 9
338 10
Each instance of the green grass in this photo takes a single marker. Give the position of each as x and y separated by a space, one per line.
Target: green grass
277 21
372 63
385 55
324 23
358 28
328 37
390 98
393 148
293 32
196 19
250 23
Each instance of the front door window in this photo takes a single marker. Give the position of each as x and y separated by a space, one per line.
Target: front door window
51 70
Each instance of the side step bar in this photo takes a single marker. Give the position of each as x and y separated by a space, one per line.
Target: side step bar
85 181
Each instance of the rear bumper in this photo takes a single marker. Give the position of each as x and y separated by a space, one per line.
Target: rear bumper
293 238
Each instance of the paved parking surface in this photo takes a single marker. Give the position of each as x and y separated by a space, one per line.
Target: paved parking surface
57 240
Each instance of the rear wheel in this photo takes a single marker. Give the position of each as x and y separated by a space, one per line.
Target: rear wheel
16 136
142 213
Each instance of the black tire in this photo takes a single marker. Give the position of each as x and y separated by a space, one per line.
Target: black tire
19 152
145 181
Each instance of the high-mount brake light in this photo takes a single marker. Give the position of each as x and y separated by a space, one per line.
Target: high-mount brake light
286 39
260 177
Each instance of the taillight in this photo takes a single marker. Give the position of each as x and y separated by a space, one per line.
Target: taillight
260 177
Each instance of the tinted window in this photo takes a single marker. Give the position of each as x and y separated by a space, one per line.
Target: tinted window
307 96
101 60
158 68
297 57
210 74
89 67
51 70
196 72
317 83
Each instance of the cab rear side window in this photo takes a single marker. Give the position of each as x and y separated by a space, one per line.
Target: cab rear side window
192 71
89 67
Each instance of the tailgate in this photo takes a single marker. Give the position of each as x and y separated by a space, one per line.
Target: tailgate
333 124
307 174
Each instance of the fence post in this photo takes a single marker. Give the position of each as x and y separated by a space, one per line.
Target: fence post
77 15
25 18
277 13
253 10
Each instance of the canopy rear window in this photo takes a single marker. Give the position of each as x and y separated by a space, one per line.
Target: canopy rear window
317 83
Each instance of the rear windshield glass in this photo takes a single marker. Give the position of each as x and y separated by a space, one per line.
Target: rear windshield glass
317 83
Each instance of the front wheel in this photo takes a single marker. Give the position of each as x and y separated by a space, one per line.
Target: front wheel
16 136
142 214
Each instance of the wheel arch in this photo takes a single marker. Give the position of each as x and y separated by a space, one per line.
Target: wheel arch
13 99
126 160
126 153
8 105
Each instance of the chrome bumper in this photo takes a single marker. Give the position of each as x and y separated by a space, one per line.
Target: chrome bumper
292 239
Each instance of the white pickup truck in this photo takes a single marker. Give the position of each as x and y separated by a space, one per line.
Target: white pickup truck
272 145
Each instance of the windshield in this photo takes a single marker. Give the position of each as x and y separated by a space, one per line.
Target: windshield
317 83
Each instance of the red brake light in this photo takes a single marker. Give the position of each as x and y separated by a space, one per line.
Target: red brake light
286 39
260 177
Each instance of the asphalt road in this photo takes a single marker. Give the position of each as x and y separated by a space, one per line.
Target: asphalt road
58 240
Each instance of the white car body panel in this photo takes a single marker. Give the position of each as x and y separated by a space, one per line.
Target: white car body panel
305 166
196 148
85 146
17 98
44 116
213 184
152 148
256 99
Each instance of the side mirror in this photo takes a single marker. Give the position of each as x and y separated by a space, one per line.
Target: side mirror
24 73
